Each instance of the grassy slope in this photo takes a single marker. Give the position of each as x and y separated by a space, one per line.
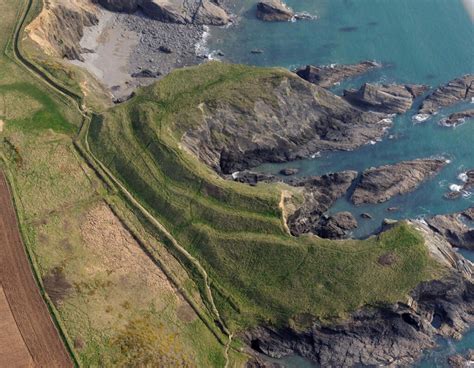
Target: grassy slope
56 193
259 273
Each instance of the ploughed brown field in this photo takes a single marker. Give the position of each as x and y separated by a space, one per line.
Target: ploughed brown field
28 336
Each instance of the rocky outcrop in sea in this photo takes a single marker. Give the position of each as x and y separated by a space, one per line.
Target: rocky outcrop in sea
457 118
457 90
386 98
274 11
457 229
329 76
380 184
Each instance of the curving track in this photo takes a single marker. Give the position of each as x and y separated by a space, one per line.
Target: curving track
28 336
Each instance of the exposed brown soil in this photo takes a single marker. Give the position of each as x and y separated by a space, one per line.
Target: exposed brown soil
21 292
387 259
56 285
13 351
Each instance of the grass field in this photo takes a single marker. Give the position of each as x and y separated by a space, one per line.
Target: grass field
259 273
101 285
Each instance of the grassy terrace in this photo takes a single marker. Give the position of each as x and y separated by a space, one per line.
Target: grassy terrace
258 272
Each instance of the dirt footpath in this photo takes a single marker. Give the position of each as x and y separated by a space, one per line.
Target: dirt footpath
23 301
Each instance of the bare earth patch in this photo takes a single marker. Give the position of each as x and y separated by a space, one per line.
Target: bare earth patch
13 351
2 124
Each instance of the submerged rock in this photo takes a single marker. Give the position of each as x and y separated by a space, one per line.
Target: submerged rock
289 171
380 184
328 76
457 90
457 118
274 11
387 98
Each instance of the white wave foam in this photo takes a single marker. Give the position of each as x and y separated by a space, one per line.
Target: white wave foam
455 188
303 16
463 177
201 48
419 118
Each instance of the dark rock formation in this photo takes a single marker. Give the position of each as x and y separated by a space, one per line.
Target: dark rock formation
173 11
274 11
460 89
457 229
387 98
366 216
146 73
337 226
380 184
460 361
165 49
328 76
457 118
392 335
320 193
289 171
252 177
292 120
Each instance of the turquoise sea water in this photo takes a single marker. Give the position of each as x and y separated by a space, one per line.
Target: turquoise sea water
419 41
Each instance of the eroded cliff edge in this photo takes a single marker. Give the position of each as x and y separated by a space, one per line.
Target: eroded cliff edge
390 335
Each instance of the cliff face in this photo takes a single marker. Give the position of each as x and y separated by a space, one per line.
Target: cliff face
174 11
293 119
60 26
390 336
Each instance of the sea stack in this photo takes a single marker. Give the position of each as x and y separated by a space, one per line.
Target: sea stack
274 11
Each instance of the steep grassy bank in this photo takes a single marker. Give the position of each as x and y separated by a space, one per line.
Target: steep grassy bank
259 273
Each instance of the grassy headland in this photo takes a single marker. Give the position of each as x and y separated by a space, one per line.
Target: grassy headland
258 272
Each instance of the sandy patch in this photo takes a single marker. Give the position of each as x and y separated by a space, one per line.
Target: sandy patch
110 47
2 124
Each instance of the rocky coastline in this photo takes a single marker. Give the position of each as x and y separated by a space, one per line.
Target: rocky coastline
300 126
392 335
331 75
